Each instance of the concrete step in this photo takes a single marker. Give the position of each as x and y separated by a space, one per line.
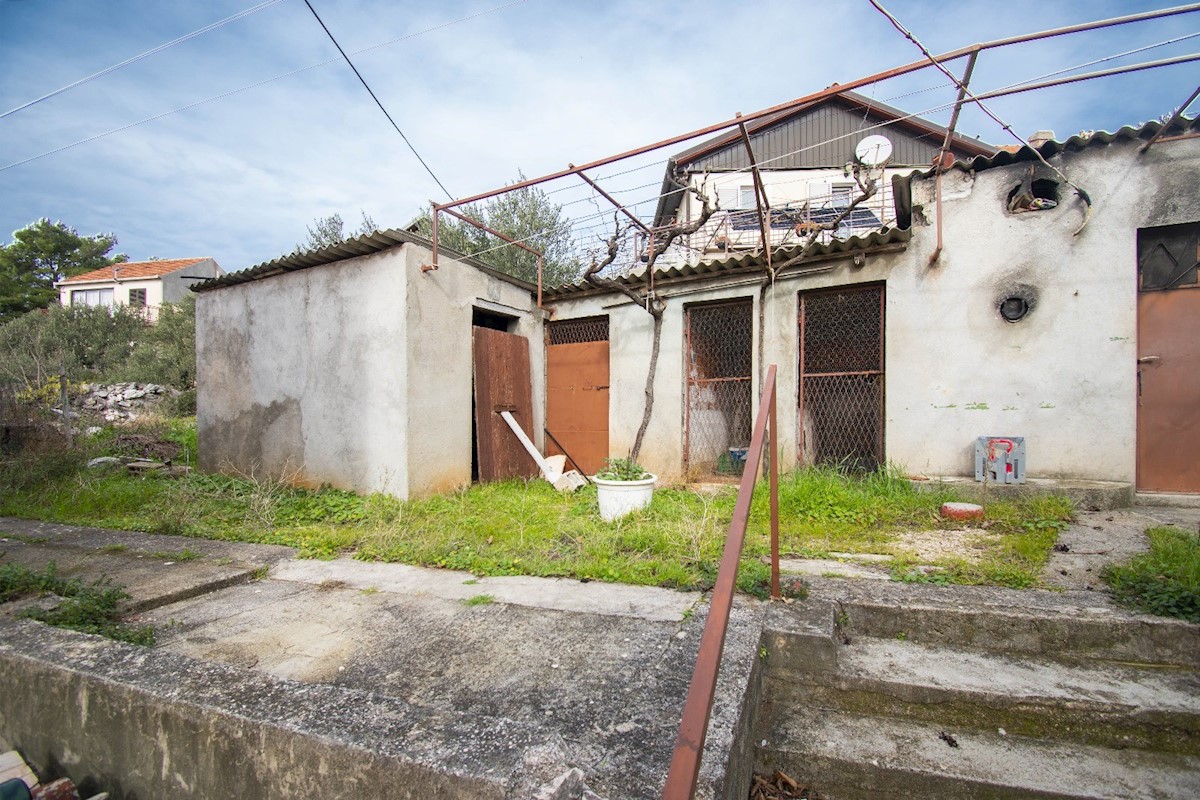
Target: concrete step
1100 704
1070 625
845 756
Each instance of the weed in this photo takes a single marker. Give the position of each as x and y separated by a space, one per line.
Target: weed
113 548
370 590
479 600
470 581
330 584
85 608
260 572
1166 580
186 554
902 636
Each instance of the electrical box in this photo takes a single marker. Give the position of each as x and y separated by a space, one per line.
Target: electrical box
1000 459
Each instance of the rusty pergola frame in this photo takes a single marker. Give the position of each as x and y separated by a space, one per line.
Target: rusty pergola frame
740 121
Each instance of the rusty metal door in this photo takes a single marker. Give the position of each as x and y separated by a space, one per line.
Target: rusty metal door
502 383
840 395
1168 368
718 403
577 390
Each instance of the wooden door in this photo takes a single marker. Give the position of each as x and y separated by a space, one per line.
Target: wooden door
1168 369
577 381
502 383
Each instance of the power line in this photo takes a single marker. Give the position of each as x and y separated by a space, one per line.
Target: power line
363 81
141 56
257 84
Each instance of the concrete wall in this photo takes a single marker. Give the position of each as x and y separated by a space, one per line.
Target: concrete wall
438 309
303 375
175 285
356 373
1064 377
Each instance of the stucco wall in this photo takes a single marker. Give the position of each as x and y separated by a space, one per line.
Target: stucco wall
303 375
439 308
175 285
1064 377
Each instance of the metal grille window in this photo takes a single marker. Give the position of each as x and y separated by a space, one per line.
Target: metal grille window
137 298
578 331
718 414
841 377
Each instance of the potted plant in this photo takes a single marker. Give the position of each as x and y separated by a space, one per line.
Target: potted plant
622 486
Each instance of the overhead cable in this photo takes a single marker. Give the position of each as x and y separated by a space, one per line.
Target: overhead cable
371 92
256 84
141 56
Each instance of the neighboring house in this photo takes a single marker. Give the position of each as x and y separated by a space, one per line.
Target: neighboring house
137 284
354 366
806 158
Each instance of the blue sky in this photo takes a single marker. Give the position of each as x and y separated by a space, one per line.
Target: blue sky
527 87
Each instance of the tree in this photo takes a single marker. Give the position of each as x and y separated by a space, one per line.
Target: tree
45 252
646 296
525 215
327 231
165 352
81 342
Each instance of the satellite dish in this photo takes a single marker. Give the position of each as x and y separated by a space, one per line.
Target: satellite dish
873 150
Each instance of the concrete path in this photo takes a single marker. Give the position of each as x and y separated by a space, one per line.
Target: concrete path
586 676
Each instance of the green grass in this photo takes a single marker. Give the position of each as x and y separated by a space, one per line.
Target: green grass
479 600
88 608
1166 580
529 528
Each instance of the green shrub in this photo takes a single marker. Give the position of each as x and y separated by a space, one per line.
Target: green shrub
1164 581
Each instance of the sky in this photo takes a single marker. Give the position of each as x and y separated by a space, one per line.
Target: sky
484 90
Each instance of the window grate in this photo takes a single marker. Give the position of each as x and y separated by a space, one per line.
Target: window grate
577 331
719 389
842 378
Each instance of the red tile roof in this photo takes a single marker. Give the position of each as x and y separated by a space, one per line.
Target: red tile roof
135 269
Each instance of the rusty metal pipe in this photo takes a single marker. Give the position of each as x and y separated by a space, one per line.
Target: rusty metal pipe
941 162
1087 76
612 200
1178 113
693 728
774 489
760 195
433 238
895 72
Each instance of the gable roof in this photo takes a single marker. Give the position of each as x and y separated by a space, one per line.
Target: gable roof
133 270
821 134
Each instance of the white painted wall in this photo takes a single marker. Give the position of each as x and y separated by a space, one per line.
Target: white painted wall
1064 377
439 361
302 375
356 373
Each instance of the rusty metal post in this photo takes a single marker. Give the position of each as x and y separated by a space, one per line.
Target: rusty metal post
1178 113
760 195
693 728
433 238
774 489
612 200
941 156
539 296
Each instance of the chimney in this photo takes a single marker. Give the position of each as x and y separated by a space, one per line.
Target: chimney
1040 138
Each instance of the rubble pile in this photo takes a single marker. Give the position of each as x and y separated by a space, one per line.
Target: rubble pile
122 402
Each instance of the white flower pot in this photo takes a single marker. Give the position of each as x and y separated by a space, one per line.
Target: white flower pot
618 498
